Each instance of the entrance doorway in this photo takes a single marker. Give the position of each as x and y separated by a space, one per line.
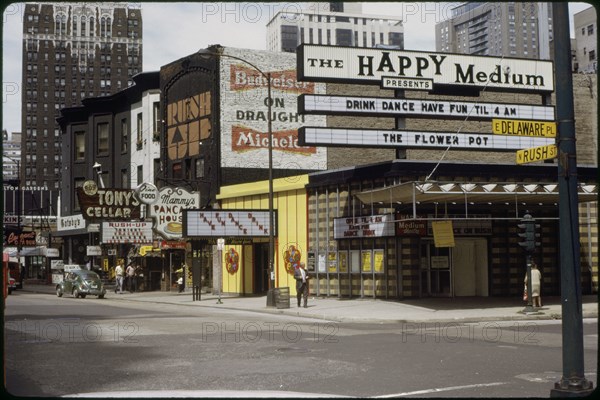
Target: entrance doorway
461 270
261 268
436 271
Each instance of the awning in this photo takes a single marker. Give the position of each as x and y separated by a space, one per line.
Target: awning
469 192
33 251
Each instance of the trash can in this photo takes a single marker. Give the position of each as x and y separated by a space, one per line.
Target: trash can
282 297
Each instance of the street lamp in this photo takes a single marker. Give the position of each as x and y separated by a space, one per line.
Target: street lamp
267 75
98 169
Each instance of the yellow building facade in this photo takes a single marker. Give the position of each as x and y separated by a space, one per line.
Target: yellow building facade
244 267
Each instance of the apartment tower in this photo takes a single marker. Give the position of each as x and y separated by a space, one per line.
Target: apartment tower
71 51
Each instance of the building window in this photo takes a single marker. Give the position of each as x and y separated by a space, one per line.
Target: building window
102 135
124 180
79 146
583 31
156 119
139 131
592 55
140 174
199 168
124 135
590 29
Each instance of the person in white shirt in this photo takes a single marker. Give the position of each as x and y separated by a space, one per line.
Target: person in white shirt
119 276
302 284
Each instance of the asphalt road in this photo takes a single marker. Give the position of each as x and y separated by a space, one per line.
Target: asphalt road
65 346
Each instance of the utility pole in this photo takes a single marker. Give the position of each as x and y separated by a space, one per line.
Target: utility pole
573 382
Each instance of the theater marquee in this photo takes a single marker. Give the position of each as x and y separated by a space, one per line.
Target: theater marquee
370 66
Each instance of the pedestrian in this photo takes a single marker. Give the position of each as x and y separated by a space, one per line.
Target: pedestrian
536 283
130 277
119 278
301 284
180 283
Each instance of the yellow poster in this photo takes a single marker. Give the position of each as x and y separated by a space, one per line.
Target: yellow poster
366 261
343 256
443 233
378 261
332 261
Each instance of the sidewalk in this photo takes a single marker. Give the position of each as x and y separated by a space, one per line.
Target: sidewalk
430 310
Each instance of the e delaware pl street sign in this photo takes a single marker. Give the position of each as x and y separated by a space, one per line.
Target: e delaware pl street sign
537 154
322 136
317 63
391 107
524 128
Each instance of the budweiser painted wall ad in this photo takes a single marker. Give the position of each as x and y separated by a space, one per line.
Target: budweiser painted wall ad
244 112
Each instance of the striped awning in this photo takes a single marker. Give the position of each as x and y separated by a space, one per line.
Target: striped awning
469 192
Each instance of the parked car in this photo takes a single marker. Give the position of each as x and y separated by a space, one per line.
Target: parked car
80 283
11 284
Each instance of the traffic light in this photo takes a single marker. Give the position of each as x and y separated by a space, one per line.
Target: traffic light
529 228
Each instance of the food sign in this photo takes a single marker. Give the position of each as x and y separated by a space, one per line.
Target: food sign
167 211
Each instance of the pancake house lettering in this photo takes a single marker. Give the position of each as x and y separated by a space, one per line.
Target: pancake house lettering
113 204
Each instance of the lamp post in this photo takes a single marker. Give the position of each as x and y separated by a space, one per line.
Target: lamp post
267 75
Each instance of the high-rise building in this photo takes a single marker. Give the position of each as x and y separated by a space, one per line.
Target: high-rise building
508 29
332 23
71 51
585 24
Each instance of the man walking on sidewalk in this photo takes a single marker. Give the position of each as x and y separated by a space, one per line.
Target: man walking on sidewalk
119 277
301 284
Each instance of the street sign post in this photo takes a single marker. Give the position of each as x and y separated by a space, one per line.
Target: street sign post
537 154
524 128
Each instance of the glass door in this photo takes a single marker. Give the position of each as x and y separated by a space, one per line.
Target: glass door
436 276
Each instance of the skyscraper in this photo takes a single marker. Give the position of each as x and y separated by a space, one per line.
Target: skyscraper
508 29
71 51
332 23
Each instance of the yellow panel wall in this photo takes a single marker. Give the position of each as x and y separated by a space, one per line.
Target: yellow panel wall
290 202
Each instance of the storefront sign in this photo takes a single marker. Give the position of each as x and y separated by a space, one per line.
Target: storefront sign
99 204
12 220
126 232
172 245
344 105
147 193
443 234
14 237
93 251
413 139
410 226
475 225
167 212
366 65
360 227
52 252
70 222
250 223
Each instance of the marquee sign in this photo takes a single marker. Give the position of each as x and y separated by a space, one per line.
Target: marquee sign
423 139
126 232
375 106
366 226
366 65
245 223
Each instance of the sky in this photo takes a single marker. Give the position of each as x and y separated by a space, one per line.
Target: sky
176 29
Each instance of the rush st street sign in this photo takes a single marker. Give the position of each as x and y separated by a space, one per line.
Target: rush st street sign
537 154
317 63
524 128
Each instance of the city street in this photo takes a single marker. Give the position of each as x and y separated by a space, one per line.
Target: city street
65 346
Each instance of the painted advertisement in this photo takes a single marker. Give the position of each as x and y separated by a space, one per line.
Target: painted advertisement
244 112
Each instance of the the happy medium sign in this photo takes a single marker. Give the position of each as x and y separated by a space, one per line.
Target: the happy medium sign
362 65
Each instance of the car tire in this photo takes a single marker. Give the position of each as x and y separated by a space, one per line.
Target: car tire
76 293
59 292
82 295
100 296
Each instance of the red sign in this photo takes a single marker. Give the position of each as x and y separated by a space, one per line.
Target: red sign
246 139
170 244
245 78
411 227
